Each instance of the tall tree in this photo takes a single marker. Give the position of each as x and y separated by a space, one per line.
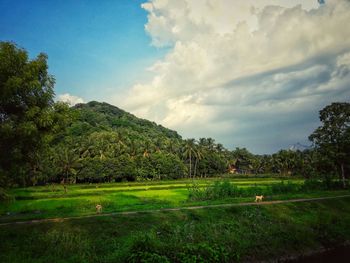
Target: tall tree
333 137
68 161
26 109
189 151
199 154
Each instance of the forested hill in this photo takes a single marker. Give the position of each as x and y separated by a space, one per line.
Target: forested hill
100 116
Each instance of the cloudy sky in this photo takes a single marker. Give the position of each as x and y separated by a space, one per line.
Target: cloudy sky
248 73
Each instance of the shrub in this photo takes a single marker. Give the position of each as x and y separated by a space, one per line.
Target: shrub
221 190
312 184
326 184
195 192
147 257
282 188
203 252
4 196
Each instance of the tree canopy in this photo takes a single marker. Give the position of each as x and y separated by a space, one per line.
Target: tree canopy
27 110
333 137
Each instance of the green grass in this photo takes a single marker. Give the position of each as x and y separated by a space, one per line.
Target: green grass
43 202
205 235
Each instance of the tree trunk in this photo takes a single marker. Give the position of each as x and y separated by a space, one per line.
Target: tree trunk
342 174
190 165
195 168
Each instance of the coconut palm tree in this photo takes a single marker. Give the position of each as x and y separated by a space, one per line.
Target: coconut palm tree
189 151
69 162
219 148
147 148
210 143
199 154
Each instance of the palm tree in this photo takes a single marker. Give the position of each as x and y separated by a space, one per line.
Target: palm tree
210 143
119 140
133 148
170 146
146 149
202 142
158 144
284 161
68 161
219 147
199 154
189 150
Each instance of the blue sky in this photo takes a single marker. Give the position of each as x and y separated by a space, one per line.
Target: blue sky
247 73
92 45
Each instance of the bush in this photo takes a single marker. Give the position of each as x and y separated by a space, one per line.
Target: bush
5 197
147 257
282 188
312 184
203 252
221 190
195 192
326 184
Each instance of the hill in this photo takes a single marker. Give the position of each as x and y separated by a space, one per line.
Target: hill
105 143
95 116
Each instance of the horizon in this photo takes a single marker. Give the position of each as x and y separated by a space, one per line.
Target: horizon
252 75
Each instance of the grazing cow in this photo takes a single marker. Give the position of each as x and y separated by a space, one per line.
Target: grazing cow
259 198
98 209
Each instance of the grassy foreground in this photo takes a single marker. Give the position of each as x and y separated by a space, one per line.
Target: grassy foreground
205 235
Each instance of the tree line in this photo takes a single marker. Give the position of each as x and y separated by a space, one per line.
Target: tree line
43 141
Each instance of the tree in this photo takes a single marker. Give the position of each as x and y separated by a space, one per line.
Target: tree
26 109
189 151
199 154
68 161
243 159
332 139
284 162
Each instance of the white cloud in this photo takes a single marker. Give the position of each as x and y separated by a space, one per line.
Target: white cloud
236 66
70 99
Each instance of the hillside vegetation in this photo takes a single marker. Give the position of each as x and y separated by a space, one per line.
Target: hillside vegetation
97 117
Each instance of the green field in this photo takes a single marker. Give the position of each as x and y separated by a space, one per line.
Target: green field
247 233
80 200
207 235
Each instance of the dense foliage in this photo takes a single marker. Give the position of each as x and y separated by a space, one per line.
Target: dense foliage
28 115
332 139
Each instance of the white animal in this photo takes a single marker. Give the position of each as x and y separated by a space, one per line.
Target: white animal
259 198
98 209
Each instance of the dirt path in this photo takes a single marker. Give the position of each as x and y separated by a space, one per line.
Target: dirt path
175 209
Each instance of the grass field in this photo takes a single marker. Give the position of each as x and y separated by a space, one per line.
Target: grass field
206 235
51 201
249 233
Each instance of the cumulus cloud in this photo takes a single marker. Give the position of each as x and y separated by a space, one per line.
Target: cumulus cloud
70 99
248 73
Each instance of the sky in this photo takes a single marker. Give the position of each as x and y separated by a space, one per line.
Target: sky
247 73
